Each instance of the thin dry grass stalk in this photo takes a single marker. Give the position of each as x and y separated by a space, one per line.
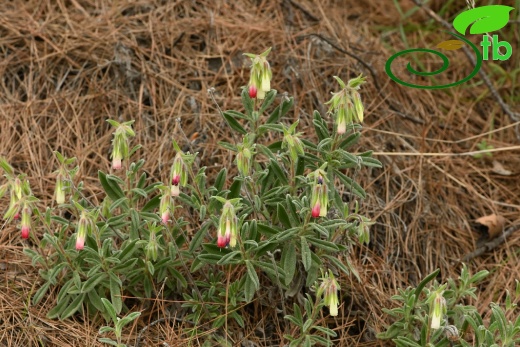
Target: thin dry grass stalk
67 66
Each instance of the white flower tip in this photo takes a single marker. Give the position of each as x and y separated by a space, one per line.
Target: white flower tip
333 310
116 164
342 128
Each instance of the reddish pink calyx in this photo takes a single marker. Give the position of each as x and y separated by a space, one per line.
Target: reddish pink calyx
316 210
252 91
80 243
25 232
165 217
221 241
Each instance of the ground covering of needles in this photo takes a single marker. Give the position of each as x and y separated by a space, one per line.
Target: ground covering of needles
67 66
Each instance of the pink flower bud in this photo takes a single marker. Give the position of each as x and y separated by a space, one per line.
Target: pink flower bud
80 242
178 174
227 230
221 240
316 210
83 226
165 217
16 216
252 91
166 207
116 163
25 232
26 222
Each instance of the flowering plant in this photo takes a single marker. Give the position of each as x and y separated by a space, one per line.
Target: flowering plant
279 216
435 315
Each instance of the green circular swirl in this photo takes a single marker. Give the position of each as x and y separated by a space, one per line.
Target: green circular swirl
445 65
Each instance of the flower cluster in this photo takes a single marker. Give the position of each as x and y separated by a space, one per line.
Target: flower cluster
16 194
329 289
86 226
178 175
244 156
228 225
260 80
26 221
178 178
320 196
120 149
437 309
166 207
63 177
59 190
152 247
346 104
291 141
21 198
363 230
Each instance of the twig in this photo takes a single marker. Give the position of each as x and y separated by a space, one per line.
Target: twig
303 10
352 55
488 246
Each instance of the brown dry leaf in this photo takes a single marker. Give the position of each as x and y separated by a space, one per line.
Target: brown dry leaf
493 223
450 45
499 169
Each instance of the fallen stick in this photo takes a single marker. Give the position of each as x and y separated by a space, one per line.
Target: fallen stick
490 245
